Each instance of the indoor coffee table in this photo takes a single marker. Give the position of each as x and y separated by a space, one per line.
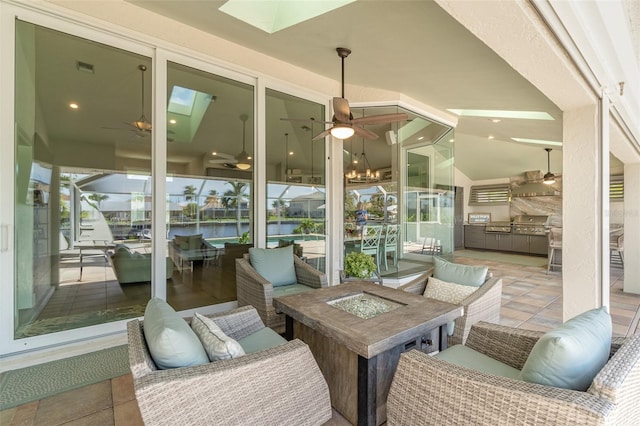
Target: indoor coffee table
358 352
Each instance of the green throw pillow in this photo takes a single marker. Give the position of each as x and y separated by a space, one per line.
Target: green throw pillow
572 354
171 341
459 274
275 265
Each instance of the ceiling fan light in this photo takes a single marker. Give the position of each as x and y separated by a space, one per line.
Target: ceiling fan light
244 161
142 124
549 178
342 131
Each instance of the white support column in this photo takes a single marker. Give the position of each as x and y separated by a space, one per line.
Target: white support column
582 168
632 228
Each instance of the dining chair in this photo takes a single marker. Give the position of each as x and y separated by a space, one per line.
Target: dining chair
370 241
390 244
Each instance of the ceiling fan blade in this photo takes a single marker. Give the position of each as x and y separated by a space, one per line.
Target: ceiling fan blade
322 135
365 133
306 120
341 110
380 119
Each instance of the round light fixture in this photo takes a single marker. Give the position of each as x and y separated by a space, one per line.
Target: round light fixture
342 131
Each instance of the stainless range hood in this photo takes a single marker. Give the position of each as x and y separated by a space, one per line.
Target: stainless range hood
533 186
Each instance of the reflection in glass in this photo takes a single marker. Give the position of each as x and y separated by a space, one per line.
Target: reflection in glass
80 258
408 213
295 164
210 188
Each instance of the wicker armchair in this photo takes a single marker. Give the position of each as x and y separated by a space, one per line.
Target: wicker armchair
253 289
430 391
482 305
281 385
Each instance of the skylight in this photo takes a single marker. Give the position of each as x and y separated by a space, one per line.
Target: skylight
181 101
526 115
275 15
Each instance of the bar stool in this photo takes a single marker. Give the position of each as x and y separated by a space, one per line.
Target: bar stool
617 246
555 243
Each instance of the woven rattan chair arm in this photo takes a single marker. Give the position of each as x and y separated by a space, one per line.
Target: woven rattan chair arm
429 391
505 344
482 305
281 385
619 379
308 275
418 284
140 361
238 323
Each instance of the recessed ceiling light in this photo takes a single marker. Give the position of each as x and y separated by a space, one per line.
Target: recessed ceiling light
420 138
290 152
214 153
172 121
490 137
538 141
74 105
451 140
274 15
495 120
526 115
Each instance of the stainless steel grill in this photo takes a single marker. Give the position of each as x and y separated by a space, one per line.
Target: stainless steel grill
501 227
530 224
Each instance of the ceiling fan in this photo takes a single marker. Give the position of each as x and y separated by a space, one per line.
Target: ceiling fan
343 124
241 161
142 127
549 178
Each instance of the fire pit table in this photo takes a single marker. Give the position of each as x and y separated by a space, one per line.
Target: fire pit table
357 331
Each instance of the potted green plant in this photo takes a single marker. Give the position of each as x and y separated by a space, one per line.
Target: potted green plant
359 266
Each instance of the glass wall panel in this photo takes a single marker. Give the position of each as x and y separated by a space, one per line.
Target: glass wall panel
295 165
210 141
82 175
401 179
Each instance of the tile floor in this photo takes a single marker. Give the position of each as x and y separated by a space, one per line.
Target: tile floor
531 299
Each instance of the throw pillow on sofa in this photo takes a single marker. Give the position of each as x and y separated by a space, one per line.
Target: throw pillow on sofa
459 274
216 344
275 265
571 355
172 343
447 292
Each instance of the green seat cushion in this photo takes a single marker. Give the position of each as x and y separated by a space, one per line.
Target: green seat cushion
275 265
171 341
459 274
260 340
571 355
469 358
287 290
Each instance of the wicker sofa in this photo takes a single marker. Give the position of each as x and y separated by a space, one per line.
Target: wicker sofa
281 385
255 290
481 305
430 391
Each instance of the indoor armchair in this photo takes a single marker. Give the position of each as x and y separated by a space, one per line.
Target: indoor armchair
258 290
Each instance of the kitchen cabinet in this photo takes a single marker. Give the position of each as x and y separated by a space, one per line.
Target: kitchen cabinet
474 236
498 241
532 244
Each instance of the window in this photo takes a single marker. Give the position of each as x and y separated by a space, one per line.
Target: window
484 195
616 188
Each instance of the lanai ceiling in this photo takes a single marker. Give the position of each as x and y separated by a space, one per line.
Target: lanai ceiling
409 47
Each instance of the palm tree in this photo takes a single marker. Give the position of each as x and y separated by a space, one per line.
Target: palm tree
189 195
234 198
279 206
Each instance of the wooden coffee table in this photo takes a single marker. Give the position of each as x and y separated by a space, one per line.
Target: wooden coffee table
358 357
